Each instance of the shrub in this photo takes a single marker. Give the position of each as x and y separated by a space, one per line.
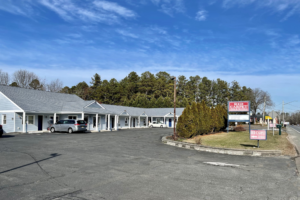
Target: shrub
201 119
239 129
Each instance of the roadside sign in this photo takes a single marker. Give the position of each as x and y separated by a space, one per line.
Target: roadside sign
258 135
272 125
239 106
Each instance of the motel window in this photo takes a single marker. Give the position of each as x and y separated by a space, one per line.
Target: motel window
72 117
126 120
3 119
30 119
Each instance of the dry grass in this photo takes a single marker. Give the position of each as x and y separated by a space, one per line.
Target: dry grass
241 140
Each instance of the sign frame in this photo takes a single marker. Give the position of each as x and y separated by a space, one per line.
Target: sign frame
249 109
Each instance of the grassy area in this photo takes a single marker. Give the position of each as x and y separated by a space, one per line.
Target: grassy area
240 140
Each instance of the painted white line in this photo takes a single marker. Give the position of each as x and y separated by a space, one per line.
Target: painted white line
221 164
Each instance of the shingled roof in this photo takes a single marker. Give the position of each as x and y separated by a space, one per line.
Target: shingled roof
38 101
48 102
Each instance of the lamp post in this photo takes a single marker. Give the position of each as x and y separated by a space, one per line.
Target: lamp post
174 132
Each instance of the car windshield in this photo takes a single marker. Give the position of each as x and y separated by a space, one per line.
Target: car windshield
81 122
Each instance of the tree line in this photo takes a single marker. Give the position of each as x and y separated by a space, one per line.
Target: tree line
26 79
157 90
148 90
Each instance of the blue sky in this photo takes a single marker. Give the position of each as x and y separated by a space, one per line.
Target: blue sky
255 42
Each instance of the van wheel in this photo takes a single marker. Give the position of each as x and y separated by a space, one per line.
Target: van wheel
161 126
70 130
151 126
52 130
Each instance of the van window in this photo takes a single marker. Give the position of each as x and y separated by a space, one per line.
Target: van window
71 122
81 122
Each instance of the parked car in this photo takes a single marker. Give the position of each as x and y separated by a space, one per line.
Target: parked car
157 124
1 131
69 126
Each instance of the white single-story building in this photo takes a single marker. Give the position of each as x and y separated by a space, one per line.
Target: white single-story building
28 110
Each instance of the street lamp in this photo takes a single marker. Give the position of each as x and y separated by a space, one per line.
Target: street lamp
174 132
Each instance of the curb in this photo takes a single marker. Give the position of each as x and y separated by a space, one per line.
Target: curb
240 152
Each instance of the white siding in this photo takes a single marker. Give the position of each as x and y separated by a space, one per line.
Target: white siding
9 126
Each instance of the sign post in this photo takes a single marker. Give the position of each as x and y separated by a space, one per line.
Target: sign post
238 106
258 135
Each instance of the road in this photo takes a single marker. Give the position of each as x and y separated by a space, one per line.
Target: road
134 164
294 134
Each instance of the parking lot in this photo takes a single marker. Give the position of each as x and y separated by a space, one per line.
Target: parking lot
134 164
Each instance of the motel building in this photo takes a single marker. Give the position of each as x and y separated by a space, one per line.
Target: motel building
27 110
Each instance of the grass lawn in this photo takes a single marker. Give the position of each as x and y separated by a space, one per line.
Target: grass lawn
241 140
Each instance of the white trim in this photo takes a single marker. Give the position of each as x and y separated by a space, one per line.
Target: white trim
125 114
12 101
2 121
96 103
14 122
33 119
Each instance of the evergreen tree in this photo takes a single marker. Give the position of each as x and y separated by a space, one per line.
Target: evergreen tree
14 84
168 103
96 81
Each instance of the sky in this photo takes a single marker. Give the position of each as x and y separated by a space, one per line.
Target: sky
255 42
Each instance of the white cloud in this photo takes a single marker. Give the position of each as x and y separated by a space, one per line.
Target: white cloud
114 8
293 41
201 15
96 11
291 7
170 7
126 33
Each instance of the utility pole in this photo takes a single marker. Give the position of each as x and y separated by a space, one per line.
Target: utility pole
174 132
283 111
264 110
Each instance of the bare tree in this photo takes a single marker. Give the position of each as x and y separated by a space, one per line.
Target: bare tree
4 78
258 97
55 86
24 78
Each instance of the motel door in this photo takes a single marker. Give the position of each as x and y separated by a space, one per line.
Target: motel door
40 123
170 122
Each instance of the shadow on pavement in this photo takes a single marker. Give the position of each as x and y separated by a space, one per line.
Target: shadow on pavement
53 155
7 136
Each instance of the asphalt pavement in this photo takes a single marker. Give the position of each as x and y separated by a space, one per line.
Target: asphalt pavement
134 164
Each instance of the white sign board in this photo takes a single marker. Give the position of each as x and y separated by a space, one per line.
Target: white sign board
287 123
238 117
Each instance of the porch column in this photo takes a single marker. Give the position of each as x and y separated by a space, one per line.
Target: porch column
164 120
152 120
147 122
108 124
116 118
106 127
54 118
139 121
24 122
97 122
100 124
82 116
129 121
